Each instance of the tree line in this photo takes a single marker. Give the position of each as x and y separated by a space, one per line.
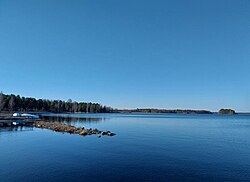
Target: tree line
17 103
167 111
227 111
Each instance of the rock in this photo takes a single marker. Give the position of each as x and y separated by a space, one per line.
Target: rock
96 131
108 133
105 132
84 132
64 128
111 134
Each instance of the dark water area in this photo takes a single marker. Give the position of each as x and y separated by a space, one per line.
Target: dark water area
146 147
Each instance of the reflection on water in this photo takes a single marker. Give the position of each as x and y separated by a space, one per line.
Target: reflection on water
75 120
16 129
146 148
5 125
71 119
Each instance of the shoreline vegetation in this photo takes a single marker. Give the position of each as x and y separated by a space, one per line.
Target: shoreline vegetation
14 103
28 104
163 111
226 111
11 103
175 111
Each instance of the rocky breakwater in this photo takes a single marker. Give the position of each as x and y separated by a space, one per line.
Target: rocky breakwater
65 128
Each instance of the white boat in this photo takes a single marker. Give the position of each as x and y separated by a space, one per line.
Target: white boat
25 115
17 115
14 123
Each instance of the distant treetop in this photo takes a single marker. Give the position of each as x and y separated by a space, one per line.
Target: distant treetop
17 103
227 111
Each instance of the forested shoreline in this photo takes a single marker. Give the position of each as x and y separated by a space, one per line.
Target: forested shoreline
13 102
166 111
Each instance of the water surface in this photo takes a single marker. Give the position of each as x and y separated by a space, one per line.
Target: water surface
147 147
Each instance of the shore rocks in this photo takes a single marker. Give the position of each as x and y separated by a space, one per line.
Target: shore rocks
84 132
65 128
108 133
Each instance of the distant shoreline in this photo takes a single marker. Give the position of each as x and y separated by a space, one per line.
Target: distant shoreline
174 111
27 104
8 115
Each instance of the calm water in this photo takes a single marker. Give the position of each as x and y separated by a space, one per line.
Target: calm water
161 147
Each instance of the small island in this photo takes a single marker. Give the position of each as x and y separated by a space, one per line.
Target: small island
226 111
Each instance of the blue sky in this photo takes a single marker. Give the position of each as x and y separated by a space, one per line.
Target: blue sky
128 53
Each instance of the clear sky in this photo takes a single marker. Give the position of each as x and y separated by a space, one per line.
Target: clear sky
128 53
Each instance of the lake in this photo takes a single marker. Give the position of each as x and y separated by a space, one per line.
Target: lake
146 147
